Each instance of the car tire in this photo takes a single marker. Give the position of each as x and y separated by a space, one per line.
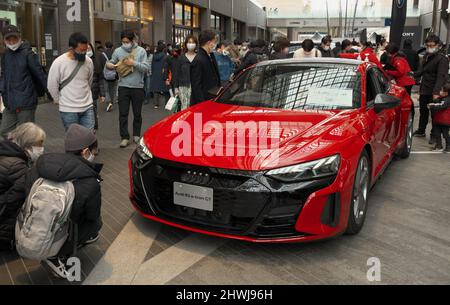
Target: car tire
360 195
405 151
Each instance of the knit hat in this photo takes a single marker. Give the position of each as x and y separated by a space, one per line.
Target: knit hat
79 138
9 31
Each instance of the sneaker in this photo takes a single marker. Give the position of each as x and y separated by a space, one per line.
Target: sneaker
57 266
124 143
89 241
156 107
109 108
438 148
419 134
136 140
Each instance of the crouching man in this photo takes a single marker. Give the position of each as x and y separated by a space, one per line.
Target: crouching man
76 165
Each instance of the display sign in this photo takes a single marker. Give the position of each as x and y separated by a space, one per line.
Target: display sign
330 97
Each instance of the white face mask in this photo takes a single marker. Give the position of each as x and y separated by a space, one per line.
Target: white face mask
326 48
432 50
191 46
226 53
127 46
89 54
35 152
91 157
14 47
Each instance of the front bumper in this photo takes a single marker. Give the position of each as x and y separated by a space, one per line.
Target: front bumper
247 205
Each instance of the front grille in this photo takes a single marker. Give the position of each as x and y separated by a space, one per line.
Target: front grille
234 210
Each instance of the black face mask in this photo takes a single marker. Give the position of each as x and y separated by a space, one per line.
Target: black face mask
80 56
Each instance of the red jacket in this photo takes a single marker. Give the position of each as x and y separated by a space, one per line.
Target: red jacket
368 52
402 69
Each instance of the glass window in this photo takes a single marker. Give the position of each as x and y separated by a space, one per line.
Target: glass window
188 15
178 13
146 10
98 5
195 17
129 8
297 87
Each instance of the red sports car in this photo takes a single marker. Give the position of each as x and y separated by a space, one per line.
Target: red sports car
288 152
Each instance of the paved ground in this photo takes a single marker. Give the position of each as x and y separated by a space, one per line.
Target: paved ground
407 228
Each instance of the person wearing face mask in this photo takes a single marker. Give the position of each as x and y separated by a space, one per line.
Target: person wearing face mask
434 74
130 61
366 53
76 165
325 47
171 66
97 88
24 146
69 82
183 80
224 62
205 72
281 48
22 81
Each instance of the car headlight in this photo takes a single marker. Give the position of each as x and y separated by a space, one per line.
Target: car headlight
326 167
143 151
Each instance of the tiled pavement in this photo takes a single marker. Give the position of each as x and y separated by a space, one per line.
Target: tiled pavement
116 209
407 228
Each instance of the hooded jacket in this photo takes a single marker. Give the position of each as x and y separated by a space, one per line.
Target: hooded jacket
21 73
14 165
85 177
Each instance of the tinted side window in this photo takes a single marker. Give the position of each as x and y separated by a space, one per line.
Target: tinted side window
382 81
371 87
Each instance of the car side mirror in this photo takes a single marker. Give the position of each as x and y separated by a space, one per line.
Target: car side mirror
384 101
216 91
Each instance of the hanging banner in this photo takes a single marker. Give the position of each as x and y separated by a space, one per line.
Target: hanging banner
399 8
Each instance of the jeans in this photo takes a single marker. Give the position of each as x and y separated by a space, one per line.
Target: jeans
86 119
135 97
111 91
12 119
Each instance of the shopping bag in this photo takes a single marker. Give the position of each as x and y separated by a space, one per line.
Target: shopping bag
172 104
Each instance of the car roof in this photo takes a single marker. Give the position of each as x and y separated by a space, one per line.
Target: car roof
320 60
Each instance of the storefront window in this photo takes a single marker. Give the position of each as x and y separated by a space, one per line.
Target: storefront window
178 13
196 17
130 8
187 15
146 10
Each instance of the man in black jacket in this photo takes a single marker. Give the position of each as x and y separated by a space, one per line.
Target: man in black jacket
22 76
76 165
434 73
205 72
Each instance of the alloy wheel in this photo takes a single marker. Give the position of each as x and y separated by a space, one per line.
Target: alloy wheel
361 190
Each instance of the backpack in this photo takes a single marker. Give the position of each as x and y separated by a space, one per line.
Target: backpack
109 75
43 223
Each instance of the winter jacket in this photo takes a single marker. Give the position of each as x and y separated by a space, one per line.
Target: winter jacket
204 77
401 71
21 74
97 83
183 73
441 112
157 83
85 177
278 55
225 65
170 68
14 165
413 58
367 53
252 57
326 53
434 73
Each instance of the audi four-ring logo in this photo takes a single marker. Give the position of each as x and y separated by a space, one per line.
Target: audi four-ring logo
400 3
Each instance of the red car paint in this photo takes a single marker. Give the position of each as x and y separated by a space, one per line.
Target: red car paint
312 135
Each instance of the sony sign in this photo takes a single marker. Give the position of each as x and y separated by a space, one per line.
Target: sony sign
74 10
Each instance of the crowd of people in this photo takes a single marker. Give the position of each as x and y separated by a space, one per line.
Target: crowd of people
135 74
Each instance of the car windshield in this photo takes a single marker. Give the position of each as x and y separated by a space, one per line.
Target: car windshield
297 87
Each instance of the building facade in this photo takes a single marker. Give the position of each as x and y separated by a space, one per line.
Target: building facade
47 24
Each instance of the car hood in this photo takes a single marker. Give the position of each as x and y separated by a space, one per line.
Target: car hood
292 136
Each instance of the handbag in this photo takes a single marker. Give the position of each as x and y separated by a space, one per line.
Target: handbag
172 104
124 70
